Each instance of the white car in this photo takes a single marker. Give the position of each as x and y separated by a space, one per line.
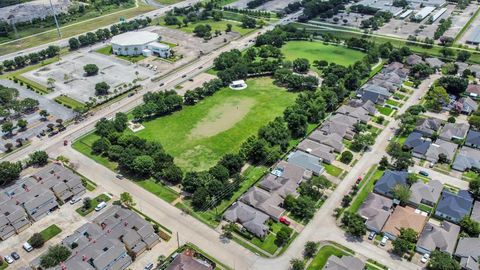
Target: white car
384 241
425 258
74 200
8 259
27 247
100 206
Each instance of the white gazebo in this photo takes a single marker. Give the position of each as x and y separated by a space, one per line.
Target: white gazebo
238 85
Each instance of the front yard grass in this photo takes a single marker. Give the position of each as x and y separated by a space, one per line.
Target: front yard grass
470 175
332 169
393 103
322 256
69 102
107 50
400 96
384 110
93 204
159 189
425 208
367 187
50 232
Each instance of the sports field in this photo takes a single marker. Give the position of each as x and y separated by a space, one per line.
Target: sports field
199 135
314 50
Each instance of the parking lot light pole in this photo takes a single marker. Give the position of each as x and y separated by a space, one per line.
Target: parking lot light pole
55 18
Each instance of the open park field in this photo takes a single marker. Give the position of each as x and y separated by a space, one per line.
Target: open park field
198 136
216 25
314 50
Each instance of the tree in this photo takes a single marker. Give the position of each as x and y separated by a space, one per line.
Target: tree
172 174
384 163
248 22
346 157
442 261
9 172
401 193
469 226
87 203
454 85
36 240
120 122
310 249
143 165
90 69
463 56
296 121
127 199
51 83
101 89
400 246
436 98
233 163
301 65
54 256
405 241
442 158
229 28
282 236
39 158
8 146
73 43
474 186
354 224
22 124
297 264
8 127
101 145
44 114
360 141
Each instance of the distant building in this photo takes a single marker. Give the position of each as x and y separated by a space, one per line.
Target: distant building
138 43
474 37
423 13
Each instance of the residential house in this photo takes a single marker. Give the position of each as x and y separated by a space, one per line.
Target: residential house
454 131
468 251
324 152
389 81
333 140
473 90
417 144
366 105
404 217
428 193
343 263
475 216
440 147
434 62
250 218
135 233
306 161
461 67
344 130
475 69
466 159
473 139
187 261
291 171
428 126
374 93
375 210
441 237
389 180
414 59
454 207
466 105
358 113
62 181
268 203
13 218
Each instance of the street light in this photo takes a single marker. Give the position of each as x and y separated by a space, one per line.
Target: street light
55 18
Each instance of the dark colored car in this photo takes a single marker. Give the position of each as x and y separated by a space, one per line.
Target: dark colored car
15 255
424 173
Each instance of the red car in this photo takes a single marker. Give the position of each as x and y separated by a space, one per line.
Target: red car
65 142
284 220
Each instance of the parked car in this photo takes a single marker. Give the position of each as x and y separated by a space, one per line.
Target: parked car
285 221
15 256
384 241
119 176
372 235
149 266
8 259
183 76
74 200
425 258
100 206
424 173
131 94
27 247
162 84
390 138
200 67
65 142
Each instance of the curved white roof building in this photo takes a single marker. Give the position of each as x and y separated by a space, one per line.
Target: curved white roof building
132 43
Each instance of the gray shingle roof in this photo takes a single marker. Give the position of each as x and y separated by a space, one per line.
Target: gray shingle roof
343 263
473 138
417 143
454 131
319 150
476 212
307 161
249 217
455 206
466 159
333 140
428 193
375 209
441 147
428 126
468 249
389 180
443 237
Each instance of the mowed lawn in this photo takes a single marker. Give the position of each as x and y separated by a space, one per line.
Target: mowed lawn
314 50
216 25
199 135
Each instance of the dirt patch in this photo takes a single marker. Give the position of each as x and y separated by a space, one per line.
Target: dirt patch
197 82
222 117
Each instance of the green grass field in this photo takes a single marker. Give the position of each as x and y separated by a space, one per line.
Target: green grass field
367 183
314 50
332 169
107 50
216 25
198 136
69 102
159 189
50 232
321 258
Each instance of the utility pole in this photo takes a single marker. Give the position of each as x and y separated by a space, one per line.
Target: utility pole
178 241
12 22
55 18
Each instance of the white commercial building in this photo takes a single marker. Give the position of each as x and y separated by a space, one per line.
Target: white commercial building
141 42
423 13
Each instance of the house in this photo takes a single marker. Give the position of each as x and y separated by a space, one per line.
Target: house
413 59
375 210
475 216
264 201
13 218
428 193
366 105
333 140
187 261
417 144
359 109
454 207
374 93
428 126
397 68
461 67
440 147
475 69
62 181
343 263
467 158
453 131
306 161
473 90
324 152
250 218
468 251
291 171
434 62
466 105
389 180
404 217
441 237
473 139
344 130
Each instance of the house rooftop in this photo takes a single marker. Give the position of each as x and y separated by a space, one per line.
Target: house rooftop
428 126
405 217
454 131
455 205
187 261
429 192
467 158
468 250
249 217
343 263
307 161
441 147
375 209
443 237
473 138
389 180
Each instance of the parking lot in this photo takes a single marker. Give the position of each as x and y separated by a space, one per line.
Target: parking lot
459 21
352 19
275 5
71 81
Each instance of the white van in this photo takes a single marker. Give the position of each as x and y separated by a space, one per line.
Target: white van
100 206
27 247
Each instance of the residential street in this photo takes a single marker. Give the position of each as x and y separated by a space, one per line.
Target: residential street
445 179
